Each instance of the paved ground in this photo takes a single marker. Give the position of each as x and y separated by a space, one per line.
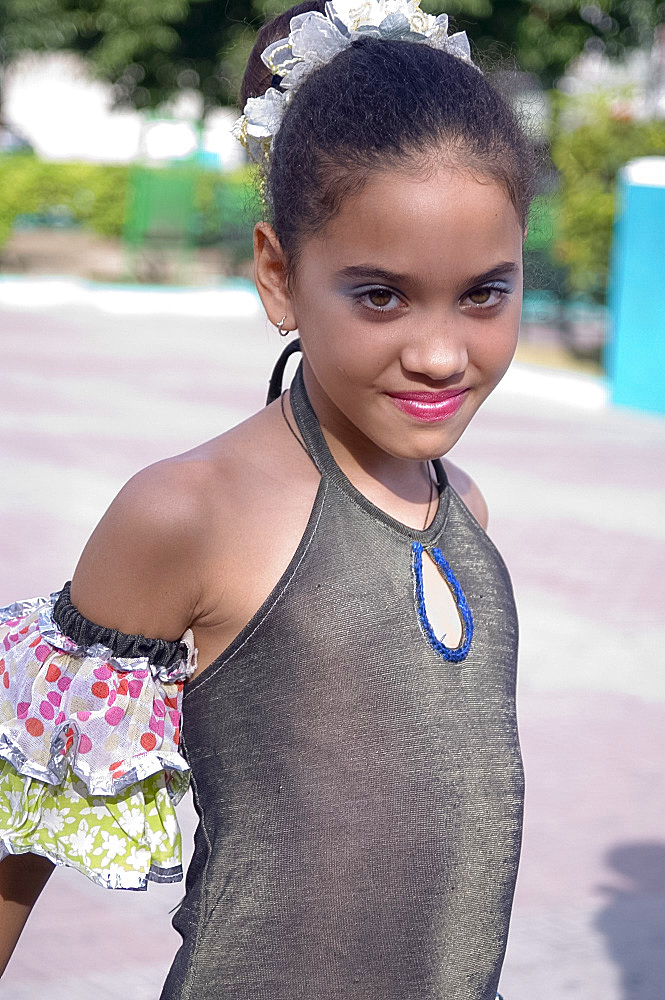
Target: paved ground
97 384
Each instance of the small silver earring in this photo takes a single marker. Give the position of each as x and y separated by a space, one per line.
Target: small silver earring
280 327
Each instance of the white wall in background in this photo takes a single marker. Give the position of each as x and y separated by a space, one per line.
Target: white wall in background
640 75
66 114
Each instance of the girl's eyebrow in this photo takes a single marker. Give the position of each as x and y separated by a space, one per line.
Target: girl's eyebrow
357 272
365 271
507 267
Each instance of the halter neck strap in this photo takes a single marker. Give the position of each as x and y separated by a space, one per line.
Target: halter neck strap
277 377
315 442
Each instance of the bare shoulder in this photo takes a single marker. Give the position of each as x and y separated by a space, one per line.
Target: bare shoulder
468 491
161 558
143 569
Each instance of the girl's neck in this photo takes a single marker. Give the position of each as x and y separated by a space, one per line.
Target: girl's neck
380 476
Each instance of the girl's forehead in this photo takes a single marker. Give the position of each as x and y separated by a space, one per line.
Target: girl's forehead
443 218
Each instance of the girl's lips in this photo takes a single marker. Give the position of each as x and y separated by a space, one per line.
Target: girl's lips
429 406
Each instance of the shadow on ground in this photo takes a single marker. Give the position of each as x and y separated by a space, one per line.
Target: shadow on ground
632 921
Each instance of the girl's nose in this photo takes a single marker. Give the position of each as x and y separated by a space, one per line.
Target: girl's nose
440 354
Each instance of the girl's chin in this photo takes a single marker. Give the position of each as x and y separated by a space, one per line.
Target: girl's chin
421 447
425 440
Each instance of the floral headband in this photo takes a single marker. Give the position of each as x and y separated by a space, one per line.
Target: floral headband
314 39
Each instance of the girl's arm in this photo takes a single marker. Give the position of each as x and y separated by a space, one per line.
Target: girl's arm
22 878
140 573
141 570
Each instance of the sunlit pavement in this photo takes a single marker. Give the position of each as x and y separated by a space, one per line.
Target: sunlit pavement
98 383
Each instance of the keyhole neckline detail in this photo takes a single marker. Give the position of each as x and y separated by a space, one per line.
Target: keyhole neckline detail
309 427
453 654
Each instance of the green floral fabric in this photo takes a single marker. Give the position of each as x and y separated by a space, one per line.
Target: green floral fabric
119 841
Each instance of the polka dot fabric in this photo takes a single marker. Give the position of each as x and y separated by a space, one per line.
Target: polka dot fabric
81 718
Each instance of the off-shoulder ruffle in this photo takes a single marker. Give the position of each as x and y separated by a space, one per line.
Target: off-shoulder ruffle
89 729
167 657
78 701
119 842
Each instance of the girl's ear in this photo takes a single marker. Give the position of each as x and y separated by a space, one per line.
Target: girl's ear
271 277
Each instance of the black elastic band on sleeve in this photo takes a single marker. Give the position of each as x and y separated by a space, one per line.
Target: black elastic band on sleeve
74 625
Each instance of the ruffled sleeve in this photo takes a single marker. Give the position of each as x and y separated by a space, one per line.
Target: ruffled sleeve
90 770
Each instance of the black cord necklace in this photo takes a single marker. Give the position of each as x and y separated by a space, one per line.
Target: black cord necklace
431 495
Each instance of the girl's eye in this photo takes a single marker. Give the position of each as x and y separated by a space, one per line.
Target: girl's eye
487 297
378 299
480 298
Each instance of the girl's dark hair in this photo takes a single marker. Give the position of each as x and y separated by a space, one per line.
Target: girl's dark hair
380 104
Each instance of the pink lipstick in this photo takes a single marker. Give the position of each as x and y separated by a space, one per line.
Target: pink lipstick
429 406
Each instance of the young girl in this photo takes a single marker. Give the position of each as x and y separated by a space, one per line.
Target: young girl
316 579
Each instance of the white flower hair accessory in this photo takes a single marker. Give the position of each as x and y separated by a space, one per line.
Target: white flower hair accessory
314 39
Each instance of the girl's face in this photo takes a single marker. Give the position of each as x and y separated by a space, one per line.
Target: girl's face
408 307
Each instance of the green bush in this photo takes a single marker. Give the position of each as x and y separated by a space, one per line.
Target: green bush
96 196
588 159
87 193
228 206
542 223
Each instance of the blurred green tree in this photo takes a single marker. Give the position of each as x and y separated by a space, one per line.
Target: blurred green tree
544 36
149 49
589 157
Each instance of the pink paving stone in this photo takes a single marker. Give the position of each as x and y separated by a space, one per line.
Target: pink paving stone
135 688
64 682
140 674
54 698
41 653
22 709
83 716
102 673
159 708
174 717
85 743
60 718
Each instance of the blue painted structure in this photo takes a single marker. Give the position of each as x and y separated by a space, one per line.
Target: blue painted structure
635 354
